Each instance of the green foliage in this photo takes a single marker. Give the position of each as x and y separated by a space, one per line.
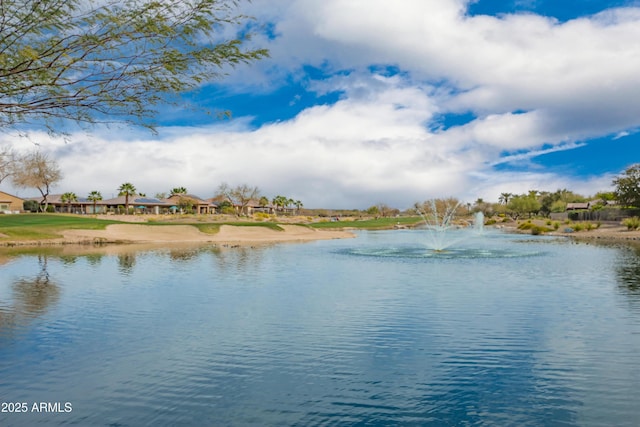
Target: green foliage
89 60
31 206
632 223
627 186
531 226
262 216
558 206
178 191
373 211
39 226
227 210
371 224
523 204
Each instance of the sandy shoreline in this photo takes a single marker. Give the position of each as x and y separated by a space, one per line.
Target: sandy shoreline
159 234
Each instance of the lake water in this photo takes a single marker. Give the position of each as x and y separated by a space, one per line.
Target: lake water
374 331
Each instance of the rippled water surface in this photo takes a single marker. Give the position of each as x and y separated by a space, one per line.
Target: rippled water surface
376 330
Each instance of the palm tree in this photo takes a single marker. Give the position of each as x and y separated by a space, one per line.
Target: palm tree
127 189
69 198
178 191
95 197
298 204
280 202
504 198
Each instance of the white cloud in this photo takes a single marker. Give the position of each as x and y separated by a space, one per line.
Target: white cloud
536 85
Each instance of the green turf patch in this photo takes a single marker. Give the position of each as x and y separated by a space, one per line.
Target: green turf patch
46 226
370 224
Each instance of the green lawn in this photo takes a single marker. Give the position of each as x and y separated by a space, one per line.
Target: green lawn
46 226
51 226
370 224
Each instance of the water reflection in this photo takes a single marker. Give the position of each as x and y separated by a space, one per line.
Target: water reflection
627 270
32 297
126 262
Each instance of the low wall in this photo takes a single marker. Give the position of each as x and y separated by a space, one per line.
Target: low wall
609 214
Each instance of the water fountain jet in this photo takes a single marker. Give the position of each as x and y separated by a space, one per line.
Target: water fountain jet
438 224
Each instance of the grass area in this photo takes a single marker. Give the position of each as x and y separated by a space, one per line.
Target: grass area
46 226
51 226
370 224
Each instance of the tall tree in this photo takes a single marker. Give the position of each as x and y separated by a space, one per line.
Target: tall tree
523 204
239 196
627 186
127 190
94 197
37 170
98 60
69 198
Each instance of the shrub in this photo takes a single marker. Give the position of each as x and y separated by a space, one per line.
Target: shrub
631 223
31 206
535 229
556 225
227 210
578 226
261 216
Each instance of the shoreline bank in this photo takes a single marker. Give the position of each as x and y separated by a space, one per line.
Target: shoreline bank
162 234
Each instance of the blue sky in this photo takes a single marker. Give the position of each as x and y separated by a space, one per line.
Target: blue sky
372 101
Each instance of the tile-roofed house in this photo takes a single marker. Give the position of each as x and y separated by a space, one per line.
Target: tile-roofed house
80 206
577 206
139 204
198 205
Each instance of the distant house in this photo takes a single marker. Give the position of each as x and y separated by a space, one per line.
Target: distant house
140 204
81 205
10 203
198 205
590 205
577 206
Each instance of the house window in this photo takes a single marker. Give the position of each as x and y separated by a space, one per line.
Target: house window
4 207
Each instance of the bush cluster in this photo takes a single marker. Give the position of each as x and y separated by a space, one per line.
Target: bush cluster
632 223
